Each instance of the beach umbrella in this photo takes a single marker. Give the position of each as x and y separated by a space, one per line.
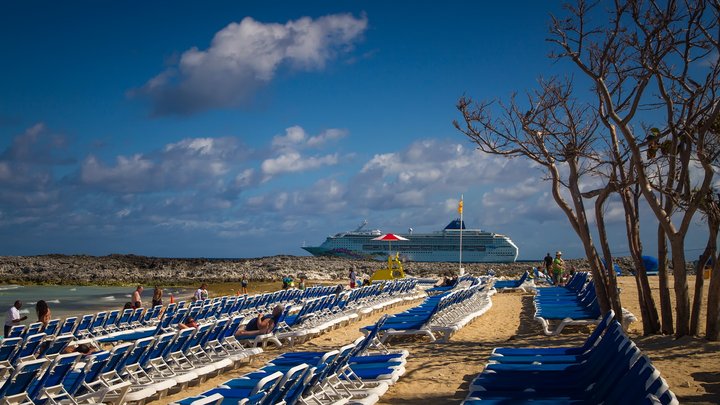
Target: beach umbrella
390 237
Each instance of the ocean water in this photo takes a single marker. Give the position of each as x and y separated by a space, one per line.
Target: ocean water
65 301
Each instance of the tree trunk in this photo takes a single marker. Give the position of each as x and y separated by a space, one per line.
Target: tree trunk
609 270
648 309
665 303
583 231
699 283
712 327
682 299
653 323
712 324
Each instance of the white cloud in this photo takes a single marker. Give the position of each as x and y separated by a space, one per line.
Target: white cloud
428 168
244 178
296 137
326 136
518 192
245 56
129 174
291 162
192 163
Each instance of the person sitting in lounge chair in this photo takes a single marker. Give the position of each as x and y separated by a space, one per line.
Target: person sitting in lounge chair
189 323
262 324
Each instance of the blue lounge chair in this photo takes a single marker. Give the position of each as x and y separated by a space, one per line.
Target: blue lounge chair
510 285
29 347
53 376
33 328
8 348
500 352
68 326
14 389
53 326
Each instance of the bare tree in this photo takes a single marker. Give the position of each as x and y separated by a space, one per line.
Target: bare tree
558 133
643 55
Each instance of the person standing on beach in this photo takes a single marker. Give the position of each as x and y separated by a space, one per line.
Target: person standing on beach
13 317
157 296
558 268
43 313
136 300
548 263
353 278
244 284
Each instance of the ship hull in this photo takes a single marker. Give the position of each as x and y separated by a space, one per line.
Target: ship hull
478 247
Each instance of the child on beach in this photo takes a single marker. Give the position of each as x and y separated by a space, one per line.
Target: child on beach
301 284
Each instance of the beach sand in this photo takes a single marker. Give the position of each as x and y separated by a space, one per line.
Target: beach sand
441 373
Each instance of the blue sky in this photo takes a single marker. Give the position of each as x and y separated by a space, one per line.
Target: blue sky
236 129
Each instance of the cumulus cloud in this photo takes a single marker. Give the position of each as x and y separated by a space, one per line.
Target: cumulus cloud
288 158
296 137
245 56
293 162
514 192
192 162
323 196
414 176
26 171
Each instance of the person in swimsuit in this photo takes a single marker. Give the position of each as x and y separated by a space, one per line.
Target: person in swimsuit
157 296
263 324
81 348
43 313
244 284
189 323
136 300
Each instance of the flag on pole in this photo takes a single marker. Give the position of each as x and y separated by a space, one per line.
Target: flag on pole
460 207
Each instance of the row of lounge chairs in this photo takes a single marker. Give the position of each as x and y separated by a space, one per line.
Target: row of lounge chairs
217 308
442 314
353 373
147 366
138 371
608 368
107 322
572 304
325 313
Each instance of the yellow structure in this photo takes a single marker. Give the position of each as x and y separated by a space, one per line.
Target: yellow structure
393 271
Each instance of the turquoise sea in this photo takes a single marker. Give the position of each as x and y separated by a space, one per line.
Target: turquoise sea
70 300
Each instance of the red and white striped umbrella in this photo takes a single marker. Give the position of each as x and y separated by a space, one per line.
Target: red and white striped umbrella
389 237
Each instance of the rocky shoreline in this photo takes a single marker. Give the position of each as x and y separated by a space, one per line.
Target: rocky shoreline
132 269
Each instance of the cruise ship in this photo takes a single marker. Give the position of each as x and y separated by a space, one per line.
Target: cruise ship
441 246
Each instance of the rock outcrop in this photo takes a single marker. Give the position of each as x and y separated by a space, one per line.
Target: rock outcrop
130 269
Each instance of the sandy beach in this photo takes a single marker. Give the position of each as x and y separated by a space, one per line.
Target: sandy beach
441 373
